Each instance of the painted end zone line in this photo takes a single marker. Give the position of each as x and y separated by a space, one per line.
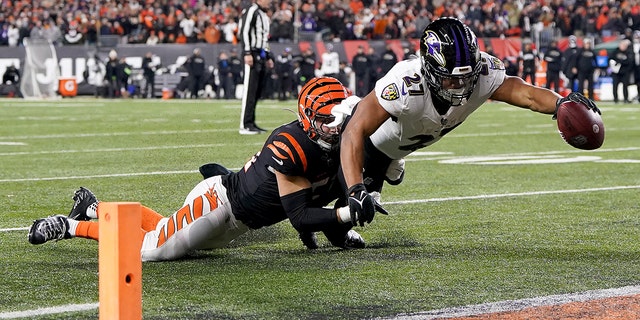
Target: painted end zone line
504 195
48 311
517 305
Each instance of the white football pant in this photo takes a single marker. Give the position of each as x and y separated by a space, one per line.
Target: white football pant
204 222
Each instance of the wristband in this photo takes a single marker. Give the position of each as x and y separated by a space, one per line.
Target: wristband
344 214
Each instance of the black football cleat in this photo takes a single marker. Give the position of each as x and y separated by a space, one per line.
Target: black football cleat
47 229
83 198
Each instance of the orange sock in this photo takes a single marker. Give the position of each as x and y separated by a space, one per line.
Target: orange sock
87 229
150 219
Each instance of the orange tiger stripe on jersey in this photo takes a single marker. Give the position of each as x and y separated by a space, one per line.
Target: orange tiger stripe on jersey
274 148
298 149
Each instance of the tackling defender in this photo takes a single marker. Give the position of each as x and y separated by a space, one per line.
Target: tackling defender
293 176
422 99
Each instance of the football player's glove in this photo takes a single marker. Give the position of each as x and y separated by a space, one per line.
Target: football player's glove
361 205
376 203
343 110
578 98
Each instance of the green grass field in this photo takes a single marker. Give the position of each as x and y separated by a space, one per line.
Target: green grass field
500 209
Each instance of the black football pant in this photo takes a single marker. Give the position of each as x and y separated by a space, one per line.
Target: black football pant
254 81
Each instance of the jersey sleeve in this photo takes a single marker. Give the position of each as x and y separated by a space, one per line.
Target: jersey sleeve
283 153
393 89
492 74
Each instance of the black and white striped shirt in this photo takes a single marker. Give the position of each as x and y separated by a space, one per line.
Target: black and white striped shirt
254 29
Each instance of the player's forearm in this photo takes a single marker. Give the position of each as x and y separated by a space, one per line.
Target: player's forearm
352 157
306 218
544 101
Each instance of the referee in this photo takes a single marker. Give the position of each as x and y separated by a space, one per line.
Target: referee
254 34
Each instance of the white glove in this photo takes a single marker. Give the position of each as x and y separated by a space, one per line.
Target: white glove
377 197
343 110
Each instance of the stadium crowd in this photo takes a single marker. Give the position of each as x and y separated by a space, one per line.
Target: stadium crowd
76 22
216 21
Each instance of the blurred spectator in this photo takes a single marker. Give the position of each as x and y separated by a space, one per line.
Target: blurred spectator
24 29
284 72
123 73
613 25
569 57
188 26
585 67
52 32
211 33
306 66
226 89
361 65
228 28
237 69
636 60
14 35
421 22
553 58
153 38
407 53
11 75
149 68
374 68
387 60
622 64
344 75
73 36
37 32
282 29
90 32
330 62
308 23
10 85
4 34
110 75
529 62
510 66
196 67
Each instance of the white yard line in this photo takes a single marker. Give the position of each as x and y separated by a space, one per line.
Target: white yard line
506 195
22 153
48 311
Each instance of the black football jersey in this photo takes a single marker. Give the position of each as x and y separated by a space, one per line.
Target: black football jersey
253 190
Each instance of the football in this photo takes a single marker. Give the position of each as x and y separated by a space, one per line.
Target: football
579 126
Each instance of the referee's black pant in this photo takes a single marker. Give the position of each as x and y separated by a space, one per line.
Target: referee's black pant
255 78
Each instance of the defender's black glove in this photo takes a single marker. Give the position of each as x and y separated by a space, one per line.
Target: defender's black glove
361 205
578 98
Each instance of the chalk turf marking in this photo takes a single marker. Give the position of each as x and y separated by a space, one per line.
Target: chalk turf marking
14 229
48 311
519 305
